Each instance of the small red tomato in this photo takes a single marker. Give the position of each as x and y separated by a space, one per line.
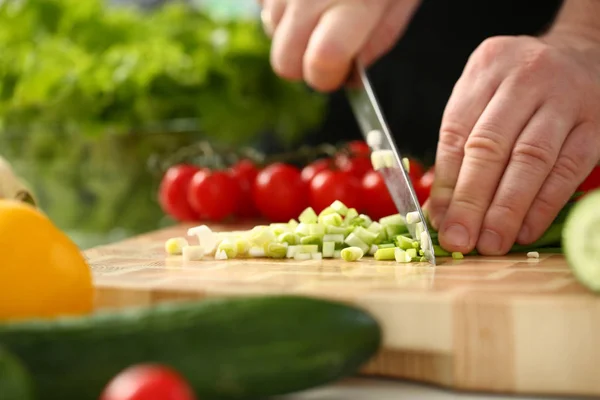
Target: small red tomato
423 185
359 148
329 186
377 200
244 173
148 382
280 194
172 193
591 182
357 166
214 195
312 169
416 170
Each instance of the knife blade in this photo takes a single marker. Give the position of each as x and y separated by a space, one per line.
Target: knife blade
377 135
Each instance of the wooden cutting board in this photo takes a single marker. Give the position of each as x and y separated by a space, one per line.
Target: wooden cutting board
495 324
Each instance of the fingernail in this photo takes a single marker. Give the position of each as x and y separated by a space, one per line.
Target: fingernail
457 236
523 234
490 242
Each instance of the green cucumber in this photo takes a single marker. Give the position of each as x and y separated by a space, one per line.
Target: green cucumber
15 381
581 240
237 348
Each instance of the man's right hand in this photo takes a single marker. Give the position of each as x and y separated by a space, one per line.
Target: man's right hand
317 40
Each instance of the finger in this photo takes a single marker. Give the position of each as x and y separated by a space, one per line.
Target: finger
291 38
579 155
486 153
271 14
468 100
396 18
531 161
340 35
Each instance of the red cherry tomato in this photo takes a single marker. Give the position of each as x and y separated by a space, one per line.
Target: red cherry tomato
148 382
214 195
591 182
359 148
357 166
312 169
244 172
416 170
377 200
423 186
280 194
329 186
172 193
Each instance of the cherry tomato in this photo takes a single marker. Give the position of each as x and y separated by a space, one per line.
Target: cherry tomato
172 193
329 186
244 172
359 148
377 200
148 382
280 194
312 169
214 195
416 170
591 182
357 165
423 186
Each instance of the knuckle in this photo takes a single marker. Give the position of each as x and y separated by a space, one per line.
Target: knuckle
488 52
486 143
452 139
533 155
466 202
535 62
568 167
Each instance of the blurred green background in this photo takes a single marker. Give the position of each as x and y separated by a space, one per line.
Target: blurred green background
91 91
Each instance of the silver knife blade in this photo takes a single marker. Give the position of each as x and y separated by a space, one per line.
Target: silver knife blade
370 118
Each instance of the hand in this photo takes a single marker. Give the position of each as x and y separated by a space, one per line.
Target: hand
317 40
520 132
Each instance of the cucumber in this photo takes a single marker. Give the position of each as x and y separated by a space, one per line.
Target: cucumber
15 381
230 348
581 240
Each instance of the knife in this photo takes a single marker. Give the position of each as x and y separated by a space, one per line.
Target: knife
377 135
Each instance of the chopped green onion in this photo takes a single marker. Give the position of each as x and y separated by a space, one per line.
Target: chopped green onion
289 238
316 229
404 242
337 238
174 246
308 216
373 249
302 256
406 164
385 254
292 223
308 248
339 208
401 256
256 251
365 235
350 215
533 254
440 252
192 253
413 217
291 251
352 254
312 239
337 254
394 219
387 245
354 241
229 248
334 219
303 229
261 235
276 250
242 246
336 229
412 253
316 256
374 138
328 249
220 255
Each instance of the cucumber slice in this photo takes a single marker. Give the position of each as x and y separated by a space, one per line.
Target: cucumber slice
581 240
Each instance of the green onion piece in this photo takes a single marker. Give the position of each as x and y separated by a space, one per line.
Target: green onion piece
385 254
401 256
337 254
350 215
413 217
389 159
424 240
377 160
354 241
256 251
291 251
303 229
423 259
404 242
352 254
406 164
288 237
308 248
366 220
394 219
421 252
334 219
412 253
302 256
316 256
373 249
328 249
365 235
308 216
337 238
419 229
440 252
336 229
292 223
533 254
278 229
316 229
312 239
457 255
227 247
260 235
387 245
339 208
375 227
276 250
242 246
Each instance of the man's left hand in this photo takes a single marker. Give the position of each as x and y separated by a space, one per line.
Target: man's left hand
520 132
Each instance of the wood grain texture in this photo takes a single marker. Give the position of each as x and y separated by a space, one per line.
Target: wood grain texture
495 324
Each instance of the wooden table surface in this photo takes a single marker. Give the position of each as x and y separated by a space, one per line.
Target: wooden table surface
494 324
